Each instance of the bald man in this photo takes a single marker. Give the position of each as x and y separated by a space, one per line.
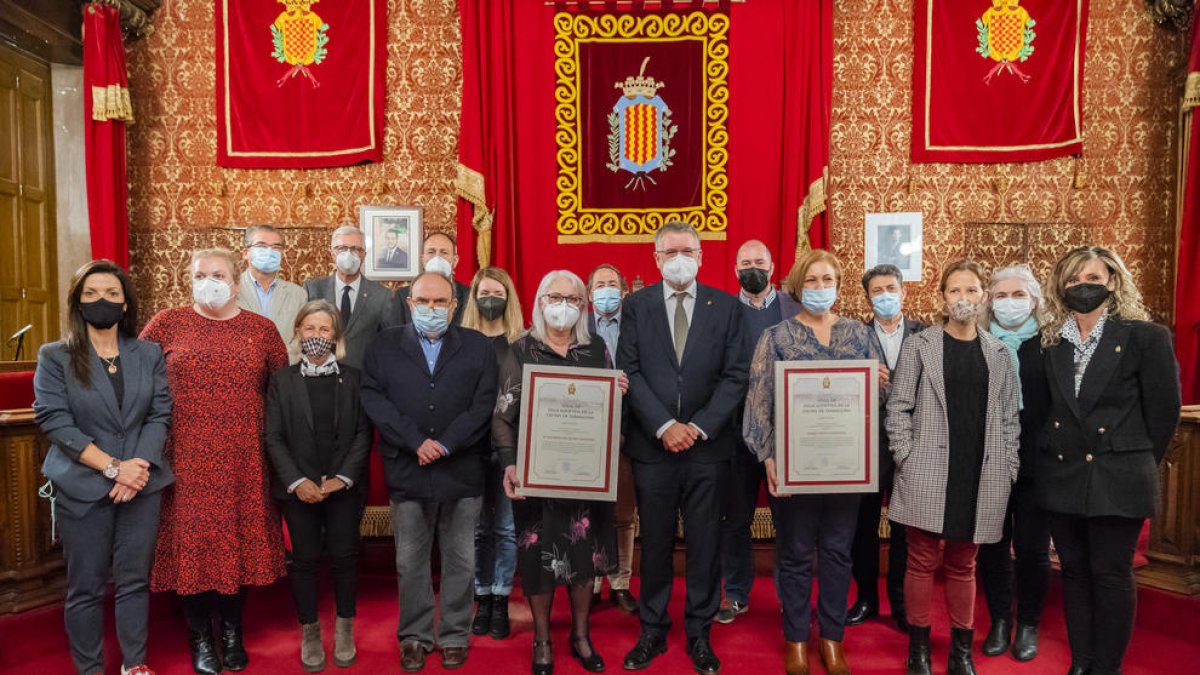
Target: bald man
762 307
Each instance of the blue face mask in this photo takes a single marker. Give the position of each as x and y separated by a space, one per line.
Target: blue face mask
431 320
606 300
886 305
1012 312
818 300
265 259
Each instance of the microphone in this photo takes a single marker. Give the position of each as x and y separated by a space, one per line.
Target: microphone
19 338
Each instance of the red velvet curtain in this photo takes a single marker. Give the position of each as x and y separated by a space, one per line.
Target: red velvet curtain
780 82
1187 279
106 110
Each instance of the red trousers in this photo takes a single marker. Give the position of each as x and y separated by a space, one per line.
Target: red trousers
958 562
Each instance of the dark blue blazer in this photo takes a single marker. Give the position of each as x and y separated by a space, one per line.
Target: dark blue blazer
452 405
72 416
706 389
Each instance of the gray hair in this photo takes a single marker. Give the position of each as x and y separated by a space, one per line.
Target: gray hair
675 226
582 335
884 270
1025 275
345 229
248 236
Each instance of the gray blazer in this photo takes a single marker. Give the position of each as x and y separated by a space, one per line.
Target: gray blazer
372 313
72 416
920 436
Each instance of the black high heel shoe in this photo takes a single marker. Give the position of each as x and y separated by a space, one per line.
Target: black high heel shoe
543 658
592 663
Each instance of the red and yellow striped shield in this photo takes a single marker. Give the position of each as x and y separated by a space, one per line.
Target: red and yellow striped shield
641 133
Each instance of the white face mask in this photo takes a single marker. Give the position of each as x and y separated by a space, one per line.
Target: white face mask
561 315
680 270
347 262
440 265
211 293
964 310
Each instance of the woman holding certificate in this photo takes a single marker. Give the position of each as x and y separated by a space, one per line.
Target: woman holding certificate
560 542
952 421
811 525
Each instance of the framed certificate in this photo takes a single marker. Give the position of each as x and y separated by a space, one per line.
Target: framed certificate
569 433
826 426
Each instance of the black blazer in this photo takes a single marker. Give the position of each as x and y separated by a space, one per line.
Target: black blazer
452 405
887 465
372 312
401 316
706 389
72 416
1098 454
289 431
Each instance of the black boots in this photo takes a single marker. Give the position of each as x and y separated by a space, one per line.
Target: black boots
204 651
918 652
232 652
998 638
961 662
483 615
1025 645
500 627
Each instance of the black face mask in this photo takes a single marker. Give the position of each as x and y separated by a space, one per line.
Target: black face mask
753 280
102 313
491 307
1084 298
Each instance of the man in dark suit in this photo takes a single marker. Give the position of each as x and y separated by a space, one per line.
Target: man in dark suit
365 306
681 345
761 307
884 286
392 257
439 253
430 387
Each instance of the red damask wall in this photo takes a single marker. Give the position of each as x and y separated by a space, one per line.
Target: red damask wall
1120 194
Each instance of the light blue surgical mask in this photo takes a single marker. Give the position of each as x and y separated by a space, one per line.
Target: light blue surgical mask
886 305
265 259
431 320
606 300
818 300
1012 312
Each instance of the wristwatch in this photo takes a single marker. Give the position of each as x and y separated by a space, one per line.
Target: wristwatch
113 469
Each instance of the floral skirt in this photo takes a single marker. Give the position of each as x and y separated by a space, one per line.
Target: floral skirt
563 542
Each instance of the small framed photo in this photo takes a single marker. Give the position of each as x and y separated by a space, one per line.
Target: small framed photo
393 235
895 239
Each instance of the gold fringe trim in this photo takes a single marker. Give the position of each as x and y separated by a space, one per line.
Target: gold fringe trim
813 204
111 103
1191 91
705 235
469 184
376 522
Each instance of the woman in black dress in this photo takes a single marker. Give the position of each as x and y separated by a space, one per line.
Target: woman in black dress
560 542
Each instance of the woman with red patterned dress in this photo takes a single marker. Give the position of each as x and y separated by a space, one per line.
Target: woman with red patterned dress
220 531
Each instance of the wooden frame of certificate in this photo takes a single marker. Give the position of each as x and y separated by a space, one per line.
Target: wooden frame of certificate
569 433
826 426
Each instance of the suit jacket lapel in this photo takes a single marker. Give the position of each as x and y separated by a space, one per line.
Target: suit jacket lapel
301 390
360 303
701 317
658 309
1062 363
410 344
248 294
931 360
104 386
450 344
1104 363
131 364
992 354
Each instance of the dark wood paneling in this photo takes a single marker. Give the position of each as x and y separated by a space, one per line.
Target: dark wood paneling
1175 531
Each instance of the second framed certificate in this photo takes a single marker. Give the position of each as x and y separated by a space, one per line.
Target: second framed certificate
569 433
826 426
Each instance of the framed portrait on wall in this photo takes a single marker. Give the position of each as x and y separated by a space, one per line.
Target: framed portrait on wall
393 235
894 239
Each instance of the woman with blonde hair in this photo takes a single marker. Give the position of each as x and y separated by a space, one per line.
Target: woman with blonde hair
494 309
318 438
953 426
1112 385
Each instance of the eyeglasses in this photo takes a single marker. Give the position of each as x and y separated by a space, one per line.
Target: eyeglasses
687 252
555 298
351 249
276 247
430 304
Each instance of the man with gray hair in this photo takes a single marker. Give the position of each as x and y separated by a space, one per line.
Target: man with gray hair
262 291
365 306
681 345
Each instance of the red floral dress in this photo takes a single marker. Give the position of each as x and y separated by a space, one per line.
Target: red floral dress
219 528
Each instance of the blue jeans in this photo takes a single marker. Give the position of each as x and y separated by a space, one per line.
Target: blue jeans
495 538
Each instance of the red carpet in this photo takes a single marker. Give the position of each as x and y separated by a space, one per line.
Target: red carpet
1165 642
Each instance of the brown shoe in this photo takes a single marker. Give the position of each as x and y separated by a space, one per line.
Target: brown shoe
412 657
834 658
795 658
624 600
453 657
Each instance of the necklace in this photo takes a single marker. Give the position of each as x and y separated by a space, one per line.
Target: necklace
112 364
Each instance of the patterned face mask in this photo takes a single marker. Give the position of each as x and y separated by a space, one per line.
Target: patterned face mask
316 347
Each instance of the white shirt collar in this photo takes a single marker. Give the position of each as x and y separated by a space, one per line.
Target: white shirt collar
669 292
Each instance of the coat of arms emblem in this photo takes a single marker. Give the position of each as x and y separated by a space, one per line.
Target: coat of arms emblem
300 37
640 129
1005 36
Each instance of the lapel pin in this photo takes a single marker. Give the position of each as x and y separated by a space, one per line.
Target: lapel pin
1118 349
709 302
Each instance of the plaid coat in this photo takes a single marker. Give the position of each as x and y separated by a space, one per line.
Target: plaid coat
920 436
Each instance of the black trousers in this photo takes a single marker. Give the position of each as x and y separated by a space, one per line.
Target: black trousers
814 529
697 490
331 524
864 554
1027 536
741 500
1099 594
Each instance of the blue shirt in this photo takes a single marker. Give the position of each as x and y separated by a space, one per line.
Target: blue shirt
609 330
264 297
432 350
